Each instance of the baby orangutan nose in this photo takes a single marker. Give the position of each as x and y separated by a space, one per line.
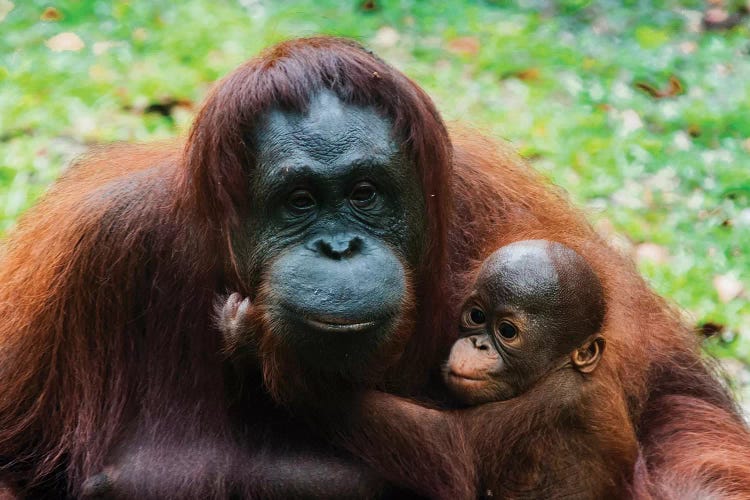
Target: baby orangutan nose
473 358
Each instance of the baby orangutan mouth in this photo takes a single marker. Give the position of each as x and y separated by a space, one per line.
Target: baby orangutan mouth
461 376
462 383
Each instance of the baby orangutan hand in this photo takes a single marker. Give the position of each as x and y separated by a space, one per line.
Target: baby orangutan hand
235 321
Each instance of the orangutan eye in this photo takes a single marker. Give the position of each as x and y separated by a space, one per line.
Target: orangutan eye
507 330
363 195
477 316
301 200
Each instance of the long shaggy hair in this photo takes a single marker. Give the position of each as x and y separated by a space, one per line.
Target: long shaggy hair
108 283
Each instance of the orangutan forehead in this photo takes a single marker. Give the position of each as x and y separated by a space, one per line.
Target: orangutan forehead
522 273
329 132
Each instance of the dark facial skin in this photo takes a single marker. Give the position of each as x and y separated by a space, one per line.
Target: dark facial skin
535 307
338 217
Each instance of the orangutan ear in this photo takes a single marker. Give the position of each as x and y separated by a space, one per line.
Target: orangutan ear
586 357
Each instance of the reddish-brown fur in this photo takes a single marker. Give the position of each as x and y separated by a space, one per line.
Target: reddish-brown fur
108 287
108 284
651 353
564 438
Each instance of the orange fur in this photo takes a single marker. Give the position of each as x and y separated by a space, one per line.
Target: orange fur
651 354
108 287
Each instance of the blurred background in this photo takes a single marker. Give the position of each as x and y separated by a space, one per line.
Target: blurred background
639 109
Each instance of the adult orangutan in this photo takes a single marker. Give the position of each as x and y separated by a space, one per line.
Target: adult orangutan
321 176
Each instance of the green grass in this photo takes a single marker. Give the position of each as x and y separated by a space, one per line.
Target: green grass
556 78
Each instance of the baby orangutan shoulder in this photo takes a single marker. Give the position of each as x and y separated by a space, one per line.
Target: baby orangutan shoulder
536 307
540 420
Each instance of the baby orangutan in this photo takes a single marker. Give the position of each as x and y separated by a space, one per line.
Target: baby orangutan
536 307
542 422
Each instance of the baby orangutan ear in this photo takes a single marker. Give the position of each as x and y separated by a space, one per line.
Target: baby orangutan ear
586 357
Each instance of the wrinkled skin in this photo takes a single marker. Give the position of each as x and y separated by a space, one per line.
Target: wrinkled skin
534 308
339 218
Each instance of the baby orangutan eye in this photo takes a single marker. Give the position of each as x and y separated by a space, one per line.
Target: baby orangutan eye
474 317
507 330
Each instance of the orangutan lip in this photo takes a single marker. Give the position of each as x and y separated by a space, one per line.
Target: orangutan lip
339 326
332 324
461 376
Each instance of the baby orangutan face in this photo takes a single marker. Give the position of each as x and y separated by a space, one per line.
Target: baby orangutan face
536 306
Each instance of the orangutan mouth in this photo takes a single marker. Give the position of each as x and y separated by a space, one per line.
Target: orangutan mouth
339 325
